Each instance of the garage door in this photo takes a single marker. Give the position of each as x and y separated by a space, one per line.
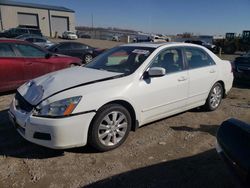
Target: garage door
28 20
59 24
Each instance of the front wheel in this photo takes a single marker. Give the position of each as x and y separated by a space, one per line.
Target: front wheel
87 58
110 127
214 98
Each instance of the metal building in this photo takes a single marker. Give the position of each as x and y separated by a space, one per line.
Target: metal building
50 19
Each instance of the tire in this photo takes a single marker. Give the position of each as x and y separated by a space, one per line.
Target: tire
214 98
87 58
110 127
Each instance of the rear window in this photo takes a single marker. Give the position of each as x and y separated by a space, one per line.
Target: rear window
6 50
36 32
197 58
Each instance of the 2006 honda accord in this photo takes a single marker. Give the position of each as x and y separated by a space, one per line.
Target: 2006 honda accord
120 90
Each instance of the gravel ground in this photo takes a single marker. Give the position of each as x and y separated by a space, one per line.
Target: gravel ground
174 152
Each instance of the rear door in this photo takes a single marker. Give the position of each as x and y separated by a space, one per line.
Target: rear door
11 68
202 75
35 62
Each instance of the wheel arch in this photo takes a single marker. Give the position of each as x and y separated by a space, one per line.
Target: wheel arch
131 110
223 87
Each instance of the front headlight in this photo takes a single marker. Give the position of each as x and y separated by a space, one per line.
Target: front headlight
58 108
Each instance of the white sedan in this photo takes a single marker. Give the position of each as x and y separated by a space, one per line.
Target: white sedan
69 35
120 90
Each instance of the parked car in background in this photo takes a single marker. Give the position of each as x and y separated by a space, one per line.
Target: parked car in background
156 38
83 35
142 38
233 138
241 66
76 49
209 46
69 35
21 61
14 32
124 88
36 39
115 38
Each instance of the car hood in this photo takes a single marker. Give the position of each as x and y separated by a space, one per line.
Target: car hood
50 84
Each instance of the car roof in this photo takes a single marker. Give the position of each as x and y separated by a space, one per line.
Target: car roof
159 44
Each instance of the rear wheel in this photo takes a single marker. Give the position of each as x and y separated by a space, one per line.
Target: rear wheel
214 98
110 127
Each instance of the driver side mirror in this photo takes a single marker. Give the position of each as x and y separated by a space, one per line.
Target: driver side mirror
156 72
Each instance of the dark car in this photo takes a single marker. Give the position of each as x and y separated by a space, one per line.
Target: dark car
241 66
233 138
76 49
209 46
36 39
21 61
14 32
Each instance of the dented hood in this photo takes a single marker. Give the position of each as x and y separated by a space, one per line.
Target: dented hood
45 86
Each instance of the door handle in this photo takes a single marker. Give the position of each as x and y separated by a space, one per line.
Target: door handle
183 78
212 71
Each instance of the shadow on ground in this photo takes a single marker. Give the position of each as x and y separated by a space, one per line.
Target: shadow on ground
211 129
202 170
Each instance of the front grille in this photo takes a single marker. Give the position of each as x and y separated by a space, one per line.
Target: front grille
22 104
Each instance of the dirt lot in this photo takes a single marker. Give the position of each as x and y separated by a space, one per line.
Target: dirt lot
175 152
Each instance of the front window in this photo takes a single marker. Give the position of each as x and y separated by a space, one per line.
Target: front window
124 59
169 59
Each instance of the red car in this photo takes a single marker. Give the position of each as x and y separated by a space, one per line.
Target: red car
21 61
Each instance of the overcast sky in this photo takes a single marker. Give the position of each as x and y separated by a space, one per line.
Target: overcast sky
161 16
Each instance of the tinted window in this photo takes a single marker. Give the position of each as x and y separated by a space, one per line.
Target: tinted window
37 32
29 51
197 58
30 39
169 59
21 31
78 46
6 51
39 40
65 46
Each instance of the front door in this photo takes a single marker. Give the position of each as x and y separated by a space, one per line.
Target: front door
165 95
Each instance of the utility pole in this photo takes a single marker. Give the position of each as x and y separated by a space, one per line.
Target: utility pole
92 24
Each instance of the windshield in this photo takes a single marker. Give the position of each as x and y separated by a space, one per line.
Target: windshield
71 33
123 59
